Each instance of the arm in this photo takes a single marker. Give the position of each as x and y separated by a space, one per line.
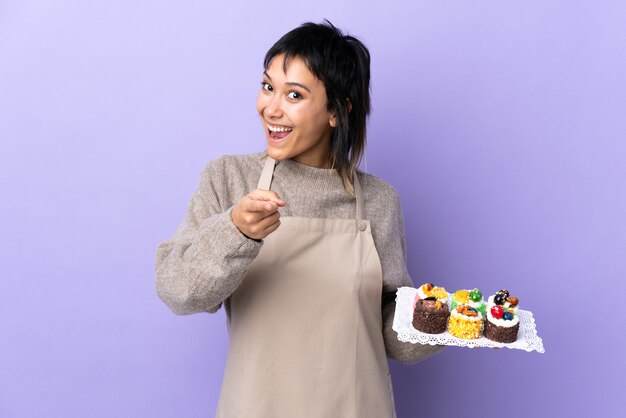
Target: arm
207 258
395 275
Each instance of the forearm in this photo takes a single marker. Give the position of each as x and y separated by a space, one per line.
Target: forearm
200 267
403 352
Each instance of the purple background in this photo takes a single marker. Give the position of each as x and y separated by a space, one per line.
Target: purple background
500 123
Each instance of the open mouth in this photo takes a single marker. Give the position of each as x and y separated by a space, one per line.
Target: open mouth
278 132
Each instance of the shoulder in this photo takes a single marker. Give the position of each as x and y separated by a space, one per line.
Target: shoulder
382 205
228 170
235 162
376 188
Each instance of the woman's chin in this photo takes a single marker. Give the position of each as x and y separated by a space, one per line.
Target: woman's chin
276 154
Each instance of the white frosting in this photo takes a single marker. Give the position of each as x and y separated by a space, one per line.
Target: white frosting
501 322
457 314
476 305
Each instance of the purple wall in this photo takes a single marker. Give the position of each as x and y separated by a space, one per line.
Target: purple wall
501 124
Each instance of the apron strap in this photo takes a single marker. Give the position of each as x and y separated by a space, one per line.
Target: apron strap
265 181
359 196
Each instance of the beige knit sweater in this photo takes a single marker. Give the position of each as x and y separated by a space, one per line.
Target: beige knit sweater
207 258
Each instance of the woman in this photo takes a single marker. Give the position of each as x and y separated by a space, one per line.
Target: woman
304 251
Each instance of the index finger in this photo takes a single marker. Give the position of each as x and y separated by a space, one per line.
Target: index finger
253 205
268 195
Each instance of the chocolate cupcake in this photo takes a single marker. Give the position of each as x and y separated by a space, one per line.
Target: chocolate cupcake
430 315
502 324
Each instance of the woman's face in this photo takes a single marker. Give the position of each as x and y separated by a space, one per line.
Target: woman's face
293 111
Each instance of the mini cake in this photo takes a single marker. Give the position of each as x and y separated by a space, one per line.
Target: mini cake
430 315
428 290
466 322
472 298
502 323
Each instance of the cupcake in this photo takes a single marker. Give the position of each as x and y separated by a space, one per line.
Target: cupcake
472 298
466 322
502 323
430 315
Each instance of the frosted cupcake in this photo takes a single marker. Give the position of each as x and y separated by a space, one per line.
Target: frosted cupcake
430 315
466 322
502 323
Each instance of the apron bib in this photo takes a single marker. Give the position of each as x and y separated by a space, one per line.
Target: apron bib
306 325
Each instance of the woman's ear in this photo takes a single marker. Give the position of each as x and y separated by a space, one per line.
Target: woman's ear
333 119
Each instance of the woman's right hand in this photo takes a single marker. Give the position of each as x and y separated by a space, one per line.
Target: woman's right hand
256 214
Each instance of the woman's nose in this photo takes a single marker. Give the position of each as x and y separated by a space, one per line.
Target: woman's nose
274 108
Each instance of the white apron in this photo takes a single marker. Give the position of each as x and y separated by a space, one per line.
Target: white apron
306 326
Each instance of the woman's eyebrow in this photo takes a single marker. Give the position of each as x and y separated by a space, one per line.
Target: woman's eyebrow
299 85
289 83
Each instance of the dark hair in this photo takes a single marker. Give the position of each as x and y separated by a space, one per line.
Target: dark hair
342 63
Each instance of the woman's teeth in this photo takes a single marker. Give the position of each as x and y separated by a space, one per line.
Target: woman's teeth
278 129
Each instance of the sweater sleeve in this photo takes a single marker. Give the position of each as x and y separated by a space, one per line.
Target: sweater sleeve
207 258
395 274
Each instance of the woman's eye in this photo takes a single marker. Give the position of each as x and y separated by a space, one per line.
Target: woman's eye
266 86
294 95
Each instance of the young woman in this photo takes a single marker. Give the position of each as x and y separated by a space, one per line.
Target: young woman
304 251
